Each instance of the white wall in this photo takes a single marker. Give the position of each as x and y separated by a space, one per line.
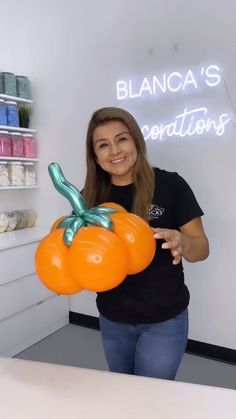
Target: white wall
74 52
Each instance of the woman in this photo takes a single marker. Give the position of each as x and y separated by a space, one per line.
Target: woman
144 321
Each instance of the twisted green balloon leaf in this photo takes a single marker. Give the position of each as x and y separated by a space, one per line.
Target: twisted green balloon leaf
102 210
66 221
98 220
98 216
72 229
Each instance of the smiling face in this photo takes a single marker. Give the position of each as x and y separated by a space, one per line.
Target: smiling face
115 151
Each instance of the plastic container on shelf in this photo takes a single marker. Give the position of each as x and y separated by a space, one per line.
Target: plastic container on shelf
4 174
15 220
12 220
29 145
3 222
17 144
21 219
23 87
31 217
16 173
3 112
5 144
12 113
9 83
30 174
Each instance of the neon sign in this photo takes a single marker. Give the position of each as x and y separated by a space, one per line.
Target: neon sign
189 122
173 82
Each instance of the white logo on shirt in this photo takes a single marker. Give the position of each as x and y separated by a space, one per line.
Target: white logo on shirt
155 211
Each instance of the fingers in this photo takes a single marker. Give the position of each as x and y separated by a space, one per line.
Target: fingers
164 233
176 257
175 249
167 235
172 242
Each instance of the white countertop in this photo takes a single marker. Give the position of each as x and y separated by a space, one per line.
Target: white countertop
33 390
21 237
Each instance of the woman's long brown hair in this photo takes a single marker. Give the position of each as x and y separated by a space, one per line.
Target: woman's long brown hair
97 182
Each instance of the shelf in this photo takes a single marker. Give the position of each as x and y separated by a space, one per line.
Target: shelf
15 98
21 237
22 130
4 158
16 129
2 188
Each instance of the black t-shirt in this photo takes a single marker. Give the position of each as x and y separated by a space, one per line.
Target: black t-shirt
157 293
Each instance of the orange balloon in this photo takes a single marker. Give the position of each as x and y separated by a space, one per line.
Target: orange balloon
113 205
98 259
56 223
51 262
138 238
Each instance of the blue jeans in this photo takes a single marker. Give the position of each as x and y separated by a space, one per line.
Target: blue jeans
151 350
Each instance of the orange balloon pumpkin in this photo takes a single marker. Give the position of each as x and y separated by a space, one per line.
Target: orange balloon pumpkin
56 223
113 205
98 259
51 262
138 238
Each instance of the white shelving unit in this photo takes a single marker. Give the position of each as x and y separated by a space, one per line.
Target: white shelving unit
5 158
17 129
17 187
23 159
15 99
22 237
18 100
28 310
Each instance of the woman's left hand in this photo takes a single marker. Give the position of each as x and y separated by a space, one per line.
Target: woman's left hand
173 242
190 242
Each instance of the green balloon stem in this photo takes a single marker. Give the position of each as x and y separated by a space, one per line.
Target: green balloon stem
98 216
66 189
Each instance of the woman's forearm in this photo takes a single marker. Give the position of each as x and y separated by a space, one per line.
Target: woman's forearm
194 249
